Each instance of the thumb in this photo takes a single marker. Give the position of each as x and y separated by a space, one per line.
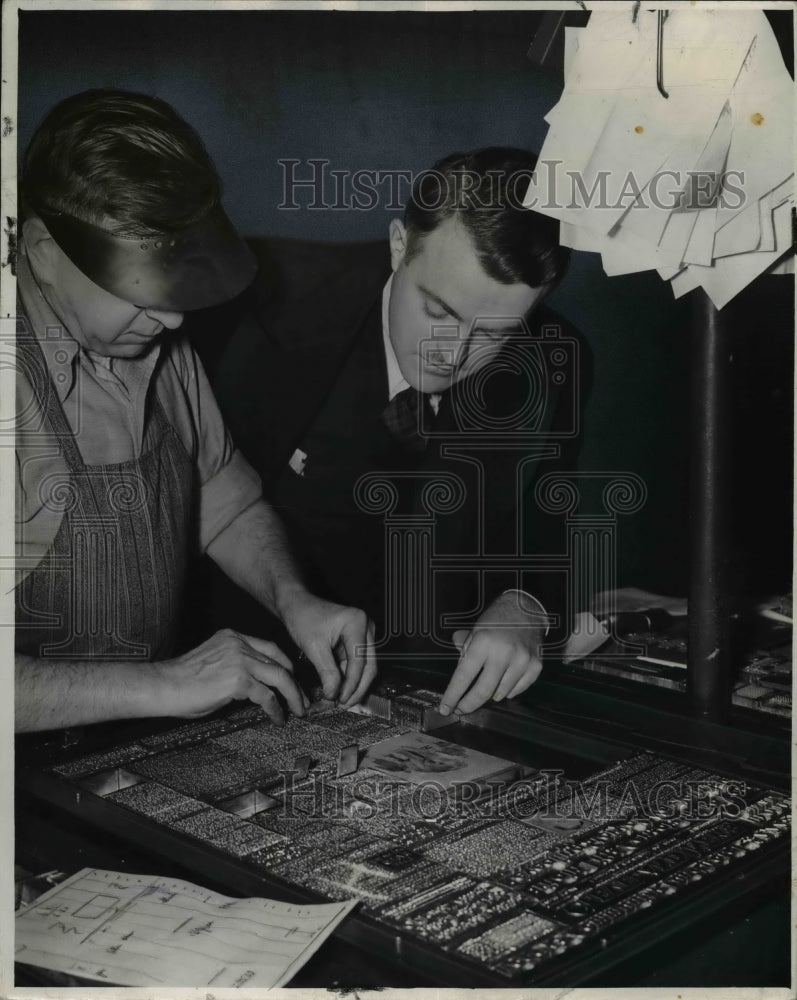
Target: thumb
328 672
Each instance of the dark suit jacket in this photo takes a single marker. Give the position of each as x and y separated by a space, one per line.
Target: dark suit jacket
295 329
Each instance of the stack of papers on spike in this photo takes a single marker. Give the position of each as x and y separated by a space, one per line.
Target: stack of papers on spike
698 185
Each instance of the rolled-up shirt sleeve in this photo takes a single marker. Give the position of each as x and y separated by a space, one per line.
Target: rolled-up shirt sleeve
228 484
229 492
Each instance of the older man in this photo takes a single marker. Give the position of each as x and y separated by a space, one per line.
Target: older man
123 460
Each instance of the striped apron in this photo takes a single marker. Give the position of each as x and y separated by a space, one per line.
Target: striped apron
110 585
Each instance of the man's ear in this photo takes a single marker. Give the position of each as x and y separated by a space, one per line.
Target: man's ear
41 248
398 243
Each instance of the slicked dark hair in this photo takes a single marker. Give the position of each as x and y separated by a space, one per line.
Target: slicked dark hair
485 190
127 156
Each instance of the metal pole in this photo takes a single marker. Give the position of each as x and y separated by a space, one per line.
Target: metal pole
709 662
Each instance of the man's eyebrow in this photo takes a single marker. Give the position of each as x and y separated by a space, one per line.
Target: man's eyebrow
440 302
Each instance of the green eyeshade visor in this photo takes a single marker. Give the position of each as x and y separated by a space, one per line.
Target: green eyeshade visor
201 265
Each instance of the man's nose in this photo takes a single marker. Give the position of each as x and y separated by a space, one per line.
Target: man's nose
446 351
170 320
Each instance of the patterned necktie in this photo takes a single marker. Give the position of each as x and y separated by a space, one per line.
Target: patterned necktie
406 421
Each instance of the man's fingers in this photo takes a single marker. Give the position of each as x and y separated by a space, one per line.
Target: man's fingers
459 638
526 681
514 673
467 668
271 656
327 669
267 700
370 669
268 649
357 641
365 682
352 663
483 689
273 675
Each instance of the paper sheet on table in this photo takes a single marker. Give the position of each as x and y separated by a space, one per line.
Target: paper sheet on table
607 602
143 930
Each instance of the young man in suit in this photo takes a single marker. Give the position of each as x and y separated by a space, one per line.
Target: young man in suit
364 375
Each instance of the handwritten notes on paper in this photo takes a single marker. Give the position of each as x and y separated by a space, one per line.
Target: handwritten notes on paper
698 185
140 930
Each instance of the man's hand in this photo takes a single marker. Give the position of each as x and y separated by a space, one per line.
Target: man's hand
51 694
338 641
253 551
499 657
230 666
